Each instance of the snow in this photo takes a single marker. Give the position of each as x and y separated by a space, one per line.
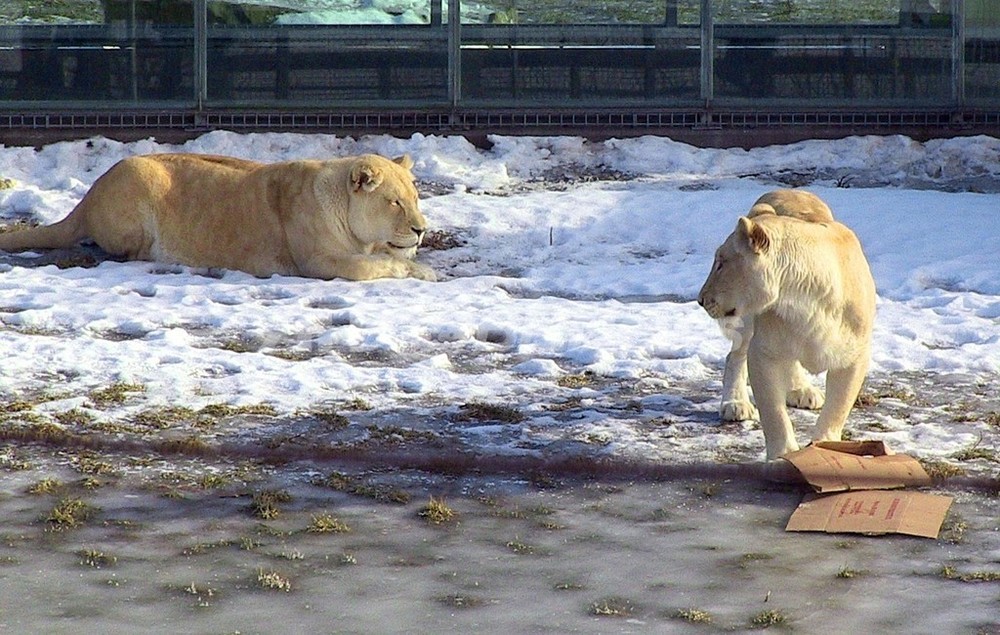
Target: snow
574 258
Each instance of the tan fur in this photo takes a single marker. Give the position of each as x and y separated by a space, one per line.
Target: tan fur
356 218
736 404
794 290
793 203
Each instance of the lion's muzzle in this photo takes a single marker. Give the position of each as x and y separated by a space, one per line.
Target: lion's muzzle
715 310
418 238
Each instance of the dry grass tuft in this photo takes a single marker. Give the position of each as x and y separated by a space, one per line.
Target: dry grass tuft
613 607
265 503
478 411
767 619
694 616
327 524
69 513
114 395
273 580
437 512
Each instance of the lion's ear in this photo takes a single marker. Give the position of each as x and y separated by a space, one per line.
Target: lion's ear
755 234
365 176
404 161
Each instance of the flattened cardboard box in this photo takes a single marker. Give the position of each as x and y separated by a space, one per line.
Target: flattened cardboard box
862 472
872 512
843 466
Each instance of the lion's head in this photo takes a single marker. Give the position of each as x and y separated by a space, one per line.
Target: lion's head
384 208
742 281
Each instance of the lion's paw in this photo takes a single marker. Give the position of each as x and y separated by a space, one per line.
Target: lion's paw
422 272
807 398
738 411
781 471
823 437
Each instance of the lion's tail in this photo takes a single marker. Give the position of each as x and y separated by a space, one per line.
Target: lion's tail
64 234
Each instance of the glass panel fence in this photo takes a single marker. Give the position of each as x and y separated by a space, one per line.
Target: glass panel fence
385 54
982 52
325 54
566 53
96 53
833 52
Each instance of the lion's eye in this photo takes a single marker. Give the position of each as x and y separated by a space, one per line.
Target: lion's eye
396 203
718 264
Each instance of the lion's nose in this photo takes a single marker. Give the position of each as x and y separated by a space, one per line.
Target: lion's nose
419 231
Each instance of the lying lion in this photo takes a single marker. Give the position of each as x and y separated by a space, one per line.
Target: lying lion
793 289
354 218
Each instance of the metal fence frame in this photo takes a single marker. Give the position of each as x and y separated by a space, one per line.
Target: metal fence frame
456 112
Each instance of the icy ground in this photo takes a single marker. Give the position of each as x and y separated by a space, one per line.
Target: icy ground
560 368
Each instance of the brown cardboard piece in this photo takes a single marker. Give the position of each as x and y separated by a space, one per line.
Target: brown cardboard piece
840 466
859 475
872 512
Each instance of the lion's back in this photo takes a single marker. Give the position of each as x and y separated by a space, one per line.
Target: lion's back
799 204
194 209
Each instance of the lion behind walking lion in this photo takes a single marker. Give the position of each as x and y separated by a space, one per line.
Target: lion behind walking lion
793 289
356 217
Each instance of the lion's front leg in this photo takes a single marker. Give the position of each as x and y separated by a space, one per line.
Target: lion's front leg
403 253
769 379
367 267
842 388
736 404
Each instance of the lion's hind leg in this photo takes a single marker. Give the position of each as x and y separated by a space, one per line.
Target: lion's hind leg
125 236
119 213
842 388
803 394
